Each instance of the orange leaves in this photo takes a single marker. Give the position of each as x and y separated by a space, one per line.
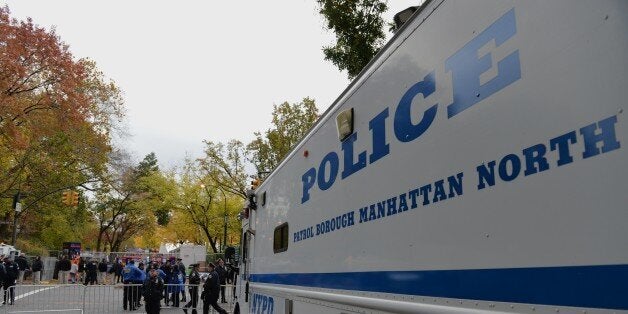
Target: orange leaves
39 77
46 97
43 89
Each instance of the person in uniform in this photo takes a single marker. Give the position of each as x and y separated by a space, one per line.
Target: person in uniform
153 291
92 272
194 281
211 288
11 274
130 275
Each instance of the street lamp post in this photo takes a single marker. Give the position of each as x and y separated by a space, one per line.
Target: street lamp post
224 240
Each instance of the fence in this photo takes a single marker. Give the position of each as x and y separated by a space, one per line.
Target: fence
77 298
49 263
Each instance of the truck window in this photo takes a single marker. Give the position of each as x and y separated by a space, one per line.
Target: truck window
280 239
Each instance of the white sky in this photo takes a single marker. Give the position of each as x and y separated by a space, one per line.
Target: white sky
195 70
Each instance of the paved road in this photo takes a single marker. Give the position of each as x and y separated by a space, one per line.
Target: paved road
73 299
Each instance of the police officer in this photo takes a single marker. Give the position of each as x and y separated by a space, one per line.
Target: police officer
12 272
211 288
153 290
130 275
139 280
92 272
194 281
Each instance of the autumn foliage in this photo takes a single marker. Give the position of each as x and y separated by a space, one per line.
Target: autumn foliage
56 116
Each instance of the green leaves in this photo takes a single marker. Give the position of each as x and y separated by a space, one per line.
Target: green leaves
359 32
290 123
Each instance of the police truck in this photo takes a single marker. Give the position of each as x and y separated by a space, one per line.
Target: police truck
478 164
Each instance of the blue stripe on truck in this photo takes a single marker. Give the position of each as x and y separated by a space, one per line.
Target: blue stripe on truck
604 286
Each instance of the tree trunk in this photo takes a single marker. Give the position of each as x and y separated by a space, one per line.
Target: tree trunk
212 242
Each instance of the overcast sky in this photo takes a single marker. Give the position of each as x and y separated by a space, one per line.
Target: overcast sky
196 70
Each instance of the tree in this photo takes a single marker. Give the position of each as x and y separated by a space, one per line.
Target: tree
358 26
147 166
125 204
56 117
203 205
224 166
291 122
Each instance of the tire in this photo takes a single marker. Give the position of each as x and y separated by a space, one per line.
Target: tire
237 309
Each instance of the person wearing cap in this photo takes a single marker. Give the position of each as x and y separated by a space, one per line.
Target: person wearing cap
153 291
194 281
130 275
211 288
12 272
175 285
91 270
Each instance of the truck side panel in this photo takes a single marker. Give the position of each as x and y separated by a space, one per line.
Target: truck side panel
488 163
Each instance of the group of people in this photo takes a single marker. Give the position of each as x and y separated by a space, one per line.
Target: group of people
154 282
83 270
13 272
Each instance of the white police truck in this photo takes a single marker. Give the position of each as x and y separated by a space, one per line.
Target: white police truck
477 164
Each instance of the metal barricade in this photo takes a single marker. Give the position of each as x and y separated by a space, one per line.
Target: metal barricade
174 291
78 298
43 298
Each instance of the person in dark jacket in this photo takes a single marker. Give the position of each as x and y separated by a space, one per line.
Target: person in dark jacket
194 281
80 276
92 272
116 269
64 269
38 266
3 272
140 280
153 291
211 288
167 269
22 265
175 285
222 273
12 272
182 271
102 272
